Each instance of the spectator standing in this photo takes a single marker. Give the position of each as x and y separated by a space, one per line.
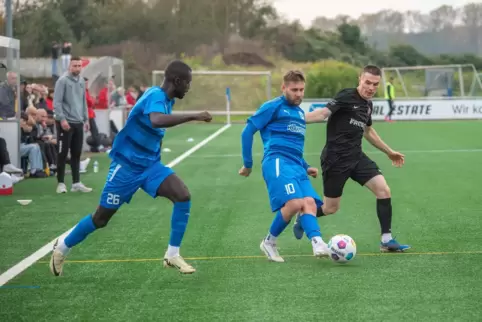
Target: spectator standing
390 96
94 130
55 58
66 55
103 96
70 107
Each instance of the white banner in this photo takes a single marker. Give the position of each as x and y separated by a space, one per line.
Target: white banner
436 109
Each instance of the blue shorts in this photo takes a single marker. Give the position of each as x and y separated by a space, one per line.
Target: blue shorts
287 180
122 183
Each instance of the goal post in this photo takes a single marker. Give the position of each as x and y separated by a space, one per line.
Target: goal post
456 80
227 95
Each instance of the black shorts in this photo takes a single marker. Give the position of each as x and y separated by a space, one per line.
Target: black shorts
336 174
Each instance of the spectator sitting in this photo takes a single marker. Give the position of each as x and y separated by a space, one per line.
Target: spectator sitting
41 101
23 95
51 125
29 96
46 140
31 114
30 149
6 165
50 99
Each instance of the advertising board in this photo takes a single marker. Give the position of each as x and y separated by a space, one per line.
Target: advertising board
421 109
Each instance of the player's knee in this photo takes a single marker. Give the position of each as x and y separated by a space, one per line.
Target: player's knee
294 206
383 192
309 206
100 222
102 216
330 209
182 196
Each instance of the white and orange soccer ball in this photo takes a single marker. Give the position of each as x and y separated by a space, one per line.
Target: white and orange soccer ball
342 248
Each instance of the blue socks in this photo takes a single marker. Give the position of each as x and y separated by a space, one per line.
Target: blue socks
278 225
310 226
179 219
80 232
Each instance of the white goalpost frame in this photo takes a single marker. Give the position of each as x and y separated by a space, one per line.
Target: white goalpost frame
476 78
228 111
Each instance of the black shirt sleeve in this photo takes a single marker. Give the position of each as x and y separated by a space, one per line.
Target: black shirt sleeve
337 102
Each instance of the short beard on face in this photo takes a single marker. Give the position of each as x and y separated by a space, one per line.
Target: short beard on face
293 101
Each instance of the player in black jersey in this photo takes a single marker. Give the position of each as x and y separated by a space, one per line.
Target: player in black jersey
349 120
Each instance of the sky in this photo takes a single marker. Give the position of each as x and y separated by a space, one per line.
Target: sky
307 10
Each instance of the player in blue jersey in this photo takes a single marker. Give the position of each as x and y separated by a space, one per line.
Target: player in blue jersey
282 126
136 164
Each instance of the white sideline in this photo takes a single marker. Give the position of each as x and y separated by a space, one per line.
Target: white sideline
30 260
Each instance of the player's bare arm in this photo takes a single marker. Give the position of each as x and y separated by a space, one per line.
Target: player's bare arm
317 116
372 136
161 120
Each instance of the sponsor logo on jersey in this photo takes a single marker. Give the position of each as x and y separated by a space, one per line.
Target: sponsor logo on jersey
296 128
359 124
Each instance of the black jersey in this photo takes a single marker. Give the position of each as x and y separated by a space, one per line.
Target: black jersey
346 125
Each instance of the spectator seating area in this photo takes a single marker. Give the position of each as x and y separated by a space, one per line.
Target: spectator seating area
37 152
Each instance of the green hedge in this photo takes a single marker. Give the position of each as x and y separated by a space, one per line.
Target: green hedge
326 78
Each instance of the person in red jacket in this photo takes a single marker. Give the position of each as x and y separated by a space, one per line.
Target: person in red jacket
103 97
94 130
90 100
50 99
131 96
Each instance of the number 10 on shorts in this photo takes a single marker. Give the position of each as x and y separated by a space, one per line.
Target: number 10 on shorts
290 189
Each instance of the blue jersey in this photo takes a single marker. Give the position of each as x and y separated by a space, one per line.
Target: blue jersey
138 144
282 127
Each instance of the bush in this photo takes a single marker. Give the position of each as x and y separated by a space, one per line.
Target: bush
326 78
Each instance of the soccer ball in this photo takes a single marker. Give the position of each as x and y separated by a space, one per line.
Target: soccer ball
342 248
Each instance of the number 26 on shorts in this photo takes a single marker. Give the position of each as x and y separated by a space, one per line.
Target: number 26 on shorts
113 199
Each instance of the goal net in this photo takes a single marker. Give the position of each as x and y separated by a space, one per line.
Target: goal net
434 81
228 95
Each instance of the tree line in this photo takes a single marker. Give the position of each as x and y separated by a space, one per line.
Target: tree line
185 27
445 29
